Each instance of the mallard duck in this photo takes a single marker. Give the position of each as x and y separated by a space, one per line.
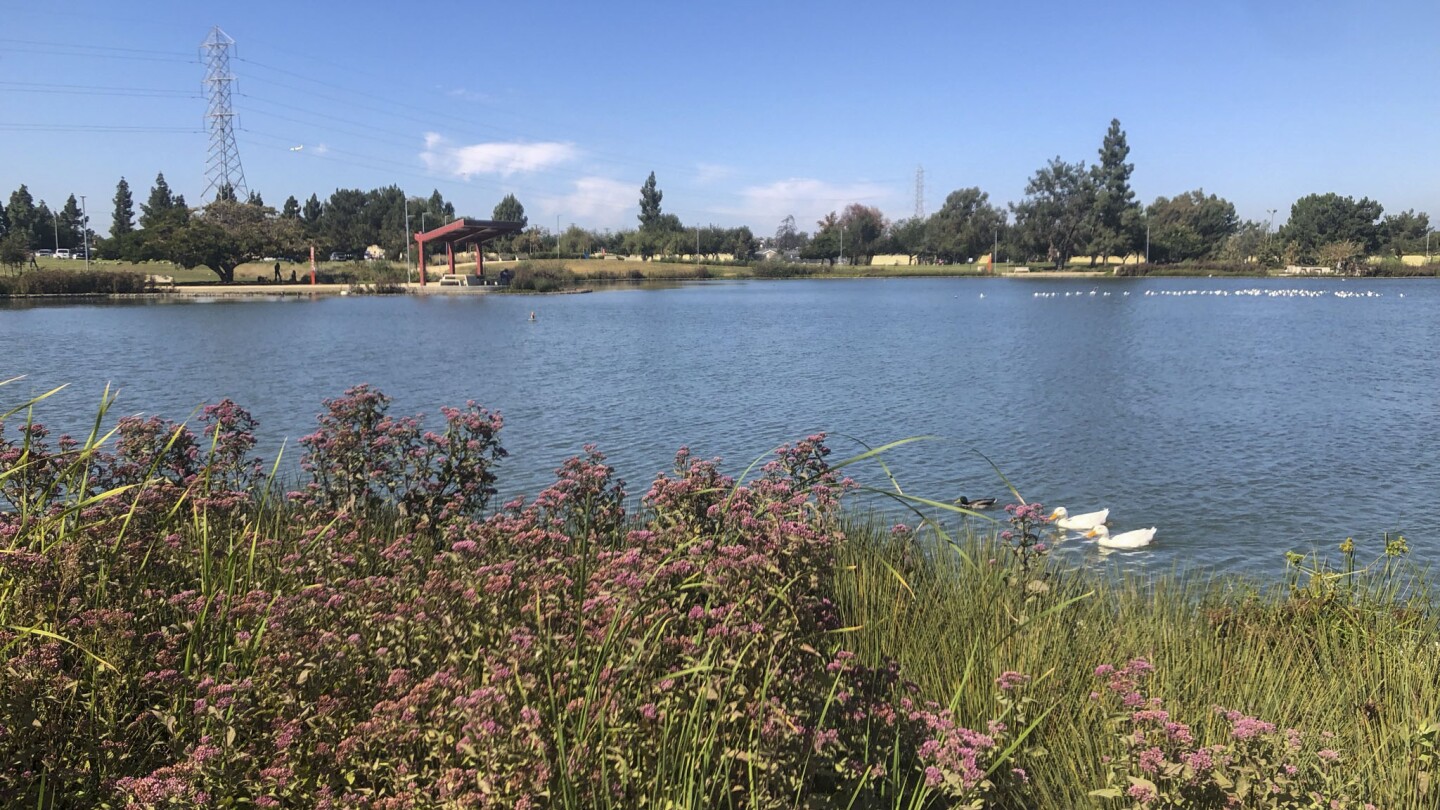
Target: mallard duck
977 504
1079 523
1131 539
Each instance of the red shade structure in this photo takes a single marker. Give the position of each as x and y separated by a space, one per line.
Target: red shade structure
474 232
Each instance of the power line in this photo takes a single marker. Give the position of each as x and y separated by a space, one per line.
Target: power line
94 90
94 128
177 55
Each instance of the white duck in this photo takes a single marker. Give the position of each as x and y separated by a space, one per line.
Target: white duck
1079 523
1135 538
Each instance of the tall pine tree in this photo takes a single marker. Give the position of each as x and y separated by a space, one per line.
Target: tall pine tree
22 215
123 220
650 204
160 204
72 224
1117 215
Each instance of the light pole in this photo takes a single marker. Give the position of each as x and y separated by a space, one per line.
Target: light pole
1268 227
842 244
407 237
85 230
55 222
1147 240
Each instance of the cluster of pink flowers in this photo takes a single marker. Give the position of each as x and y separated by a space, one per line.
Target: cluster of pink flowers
1165 766
382 639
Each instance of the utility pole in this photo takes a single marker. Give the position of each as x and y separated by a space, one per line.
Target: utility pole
223 164
842 244
55 221
85 230
1268 226
407 237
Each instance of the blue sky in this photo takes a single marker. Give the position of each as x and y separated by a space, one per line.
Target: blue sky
746 111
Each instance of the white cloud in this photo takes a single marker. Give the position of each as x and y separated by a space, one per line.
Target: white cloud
465 94
807 200
706 173
596 202
503 159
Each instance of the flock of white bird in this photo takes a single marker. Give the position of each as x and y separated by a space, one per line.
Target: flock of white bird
1254 292
1092 525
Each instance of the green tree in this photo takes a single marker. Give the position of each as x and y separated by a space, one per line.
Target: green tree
312 213
509 209
576 241
864 229
4 223
1322 219
291 210
1117 221
440 211
1404 232
825 244
908 237
22 215
123 220
226 234
72 224
739 242
788 237
1248 244
14 251
1054 220
343 225
161 205
650 197
965 227
1190 226
45 229
226 193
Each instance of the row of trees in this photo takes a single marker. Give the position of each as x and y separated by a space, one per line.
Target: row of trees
1069 210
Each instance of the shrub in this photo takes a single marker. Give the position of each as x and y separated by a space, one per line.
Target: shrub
541 277
73 282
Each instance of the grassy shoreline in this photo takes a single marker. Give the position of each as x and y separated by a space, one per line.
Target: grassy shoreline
340 277
175 630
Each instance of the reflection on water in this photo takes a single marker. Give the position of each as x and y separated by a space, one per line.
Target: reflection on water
1241 424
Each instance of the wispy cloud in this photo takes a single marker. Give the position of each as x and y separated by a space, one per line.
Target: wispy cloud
503 159
807 200
599 202
706 173
465 94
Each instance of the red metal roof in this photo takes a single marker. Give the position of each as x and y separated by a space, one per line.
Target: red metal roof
465 231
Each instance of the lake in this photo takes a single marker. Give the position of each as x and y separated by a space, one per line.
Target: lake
1243 417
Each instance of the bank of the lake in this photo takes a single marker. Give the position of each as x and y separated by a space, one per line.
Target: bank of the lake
173 630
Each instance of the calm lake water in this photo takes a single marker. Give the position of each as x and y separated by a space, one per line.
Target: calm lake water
1242 417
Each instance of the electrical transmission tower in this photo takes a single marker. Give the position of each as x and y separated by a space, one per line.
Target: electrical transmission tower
222 166
919 192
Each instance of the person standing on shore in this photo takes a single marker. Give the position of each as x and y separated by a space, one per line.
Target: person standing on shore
277 273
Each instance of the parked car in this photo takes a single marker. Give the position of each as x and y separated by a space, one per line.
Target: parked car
341 256
62 253
41 254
